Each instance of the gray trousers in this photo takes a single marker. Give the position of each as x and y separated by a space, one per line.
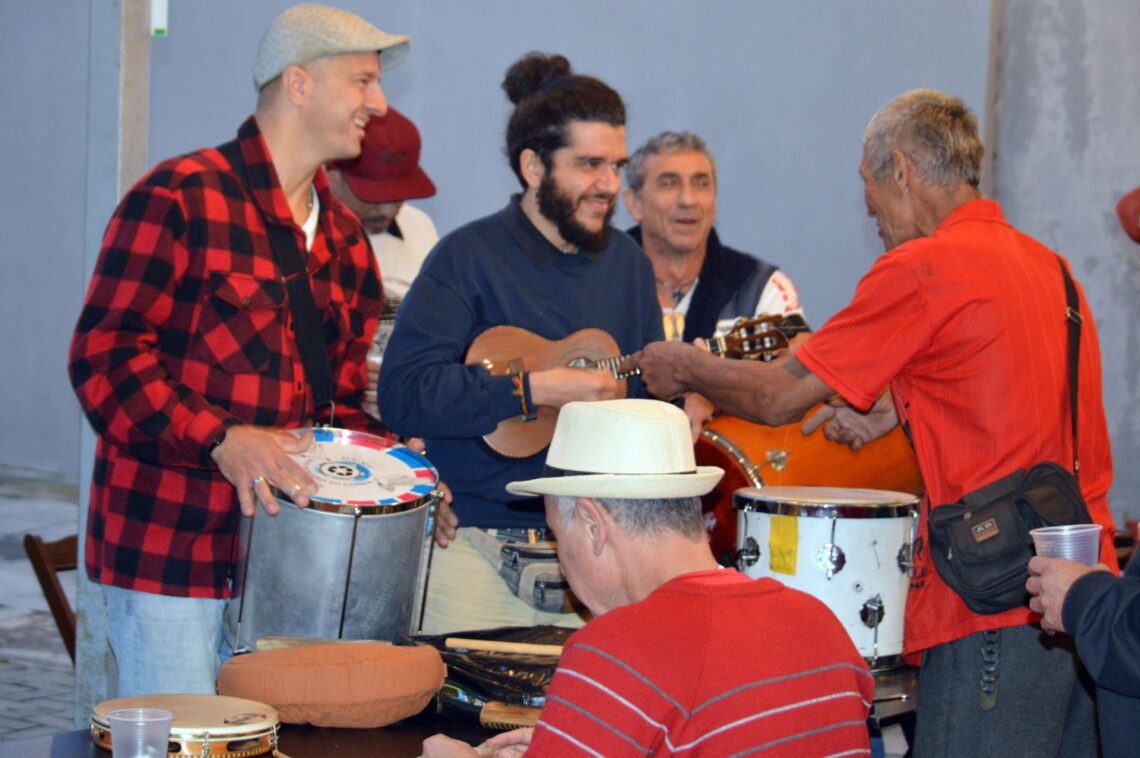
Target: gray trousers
1010 692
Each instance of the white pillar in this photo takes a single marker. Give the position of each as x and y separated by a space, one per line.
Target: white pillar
117 106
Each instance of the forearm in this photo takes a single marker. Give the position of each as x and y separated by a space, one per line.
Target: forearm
773 393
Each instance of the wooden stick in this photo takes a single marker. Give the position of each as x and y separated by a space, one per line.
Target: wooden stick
494 646
496 714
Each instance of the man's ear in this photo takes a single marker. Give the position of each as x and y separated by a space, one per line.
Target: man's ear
530 164
296 84
902 170
632 204
596 521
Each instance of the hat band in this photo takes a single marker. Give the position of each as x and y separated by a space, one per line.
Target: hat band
552 472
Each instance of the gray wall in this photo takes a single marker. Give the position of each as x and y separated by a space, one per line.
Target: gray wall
780 90
43 52
1068 146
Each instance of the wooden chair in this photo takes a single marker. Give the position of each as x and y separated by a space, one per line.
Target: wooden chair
48 559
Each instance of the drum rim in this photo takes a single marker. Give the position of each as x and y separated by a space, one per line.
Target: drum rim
251 729
363 509
348 437
743 461
757 500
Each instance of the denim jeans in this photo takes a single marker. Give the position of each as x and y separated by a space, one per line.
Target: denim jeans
466 592
163 644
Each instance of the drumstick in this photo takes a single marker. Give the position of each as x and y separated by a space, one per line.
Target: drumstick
494 646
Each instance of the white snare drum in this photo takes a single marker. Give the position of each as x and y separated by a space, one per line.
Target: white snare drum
204 725
349 565
851 548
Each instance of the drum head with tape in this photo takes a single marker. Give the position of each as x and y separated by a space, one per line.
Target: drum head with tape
843 502
360 470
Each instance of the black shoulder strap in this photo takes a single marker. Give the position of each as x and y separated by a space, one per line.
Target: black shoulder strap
1074 318
306 320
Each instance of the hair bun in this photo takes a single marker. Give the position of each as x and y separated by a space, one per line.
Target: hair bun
528 75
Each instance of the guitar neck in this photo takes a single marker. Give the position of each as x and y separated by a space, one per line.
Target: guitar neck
613 365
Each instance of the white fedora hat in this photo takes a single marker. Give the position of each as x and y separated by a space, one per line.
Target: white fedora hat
621 449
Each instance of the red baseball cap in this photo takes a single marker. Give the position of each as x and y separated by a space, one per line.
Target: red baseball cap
1129 211
388 168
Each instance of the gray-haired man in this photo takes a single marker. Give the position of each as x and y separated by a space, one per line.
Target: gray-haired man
681 654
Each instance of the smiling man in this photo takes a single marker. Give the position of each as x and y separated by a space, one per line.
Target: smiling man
964 319
195 349
550 263
702 285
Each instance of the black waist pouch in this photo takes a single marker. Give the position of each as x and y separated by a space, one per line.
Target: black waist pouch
981 544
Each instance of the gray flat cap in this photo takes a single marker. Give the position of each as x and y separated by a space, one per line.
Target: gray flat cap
309 31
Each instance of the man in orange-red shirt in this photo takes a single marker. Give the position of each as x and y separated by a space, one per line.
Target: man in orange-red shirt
963 321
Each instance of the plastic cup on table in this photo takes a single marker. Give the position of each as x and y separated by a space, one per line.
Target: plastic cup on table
1073 542
140 732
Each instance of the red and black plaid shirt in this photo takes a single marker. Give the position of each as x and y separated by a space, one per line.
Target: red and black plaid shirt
186 330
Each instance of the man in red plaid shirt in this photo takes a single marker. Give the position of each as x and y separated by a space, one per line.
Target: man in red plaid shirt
185 357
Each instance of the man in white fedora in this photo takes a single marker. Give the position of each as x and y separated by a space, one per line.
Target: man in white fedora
681 653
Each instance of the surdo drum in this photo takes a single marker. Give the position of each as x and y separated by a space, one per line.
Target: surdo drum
851 548
349 565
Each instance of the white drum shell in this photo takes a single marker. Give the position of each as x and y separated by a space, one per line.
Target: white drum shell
873 529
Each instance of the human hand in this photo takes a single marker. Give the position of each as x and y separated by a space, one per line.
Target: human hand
442 746
557 386
509 744
446 521
843 424
1048 584
699 410
256 459
658 362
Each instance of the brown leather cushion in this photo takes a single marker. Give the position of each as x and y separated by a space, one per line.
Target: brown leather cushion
357 684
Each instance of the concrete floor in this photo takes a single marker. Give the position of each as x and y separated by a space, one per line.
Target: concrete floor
37 681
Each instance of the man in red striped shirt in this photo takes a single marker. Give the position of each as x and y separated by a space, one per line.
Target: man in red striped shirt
683 657
964 320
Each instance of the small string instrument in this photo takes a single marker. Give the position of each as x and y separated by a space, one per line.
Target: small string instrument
504 350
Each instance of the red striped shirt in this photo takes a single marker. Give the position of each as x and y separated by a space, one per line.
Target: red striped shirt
713 664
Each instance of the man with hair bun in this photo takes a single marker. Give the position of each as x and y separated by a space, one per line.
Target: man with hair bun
549 262
964 319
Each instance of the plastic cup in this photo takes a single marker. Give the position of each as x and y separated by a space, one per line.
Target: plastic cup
140 732
1073 542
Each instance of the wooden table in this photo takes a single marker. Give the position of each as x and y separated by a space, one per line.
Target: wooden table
402 739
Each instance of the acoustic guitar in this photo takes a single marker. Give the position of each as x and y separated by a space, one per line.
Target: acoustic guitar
504 350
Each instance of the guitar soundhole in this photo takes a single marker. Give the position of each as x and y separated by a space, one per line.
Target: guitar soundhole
581 363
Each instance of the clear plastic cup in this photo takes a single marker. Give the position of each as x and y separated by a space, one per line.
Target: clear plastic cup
1073 542
140 732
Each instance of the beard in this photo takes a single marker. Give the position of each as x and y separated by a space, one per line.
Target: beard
559 208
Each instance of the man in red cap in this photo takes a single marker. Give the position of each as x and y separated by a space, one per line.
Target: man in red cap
375 186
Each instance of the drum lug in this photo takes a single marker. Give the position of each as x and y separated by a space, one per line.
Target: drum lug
872 612
747 555
905 559
830 559
777 458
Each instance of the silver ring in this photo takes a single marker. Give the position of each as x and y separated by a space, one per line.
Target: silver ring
258 480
